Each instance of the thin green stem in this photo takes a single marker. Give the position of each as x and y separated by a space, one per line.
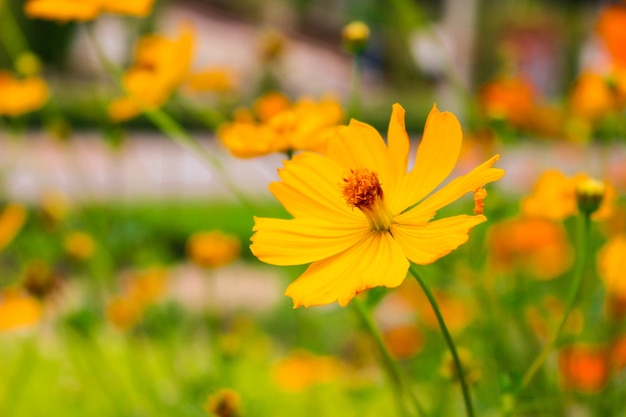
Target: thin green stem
584 222
354 109
393 370
448 338
170 127
11 35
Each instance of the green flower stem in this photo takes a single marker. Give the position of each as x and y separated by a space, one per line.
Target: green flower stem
448 338
10 33
354 109
169 126
583 235
393 370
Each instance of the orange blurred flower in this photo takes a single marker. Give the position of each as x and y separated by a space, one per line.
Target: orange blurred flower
537 245
83 10
544 317
403 341
302 370
21 96
554 196
584 368
213 249
12 219
592 97
610 28
509 98
281 126
161 65
18 310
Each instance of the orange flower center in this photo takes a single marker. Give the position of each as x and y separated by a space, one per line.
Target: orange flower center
362 189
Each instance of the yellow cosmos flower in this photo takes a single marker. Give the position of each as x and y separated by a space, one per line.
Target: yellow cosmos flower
12 219
79 245
358 214
18 97
305 125
83 10
554 197
160 66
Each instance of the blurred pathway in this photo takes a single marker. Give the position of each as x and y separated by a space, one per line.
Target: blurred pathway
149 166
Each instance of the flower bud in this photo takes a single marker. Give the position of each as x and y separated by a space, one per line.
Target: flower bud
355 37
589 195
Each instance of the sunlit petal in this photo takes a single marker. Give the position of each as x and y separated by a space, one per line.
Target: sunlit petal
437 155
300 241
398 140
359 145
376 260
424 244
310 187
455 189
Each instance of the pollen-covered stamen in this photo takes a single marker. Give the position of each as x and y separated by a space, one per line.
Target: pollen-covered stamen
361 188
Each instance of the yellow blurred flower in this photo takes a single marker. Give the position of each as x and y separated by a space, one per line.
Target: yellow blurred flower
359 216
612 270
212 80
79 245
123 312
160 66
584 368
18 310
305 125
55 206
544 317
224 403
21 96
213 249
12 219
537 245
471 368
140 290
554 196
355 37
302 370
511 99
40 279
83 10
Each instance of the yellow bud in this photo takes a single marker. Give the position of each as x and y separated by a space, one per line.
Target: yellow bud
355 37
589 195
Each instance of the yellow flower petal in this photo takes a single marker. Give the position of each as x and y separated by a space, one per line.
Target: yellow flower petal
359 145
63 10
375 261
455 189
398 140
310 188
424 244
301 241
437 155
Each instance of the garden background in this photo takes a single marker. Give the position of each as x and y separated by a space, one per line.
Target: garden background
137 143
